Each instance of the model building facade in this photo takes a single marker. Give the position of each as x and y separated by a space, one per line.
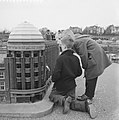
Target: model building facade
26 65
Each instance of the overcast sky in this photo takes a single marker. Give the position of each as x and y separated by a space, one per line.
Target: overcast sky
59 14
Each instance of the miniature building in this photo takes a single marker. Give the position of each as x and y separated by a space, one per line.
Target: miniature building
3 93
27 66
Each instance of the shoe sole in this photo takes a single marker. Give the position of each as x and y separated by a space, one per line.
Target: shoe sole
66 105
92 111
82 98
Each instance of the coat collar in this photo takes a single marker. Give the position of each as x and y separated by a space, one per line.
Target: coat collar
68 52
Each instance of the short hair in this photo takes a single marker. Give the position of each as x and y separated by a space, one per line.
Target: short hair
67 38
68 32
68 41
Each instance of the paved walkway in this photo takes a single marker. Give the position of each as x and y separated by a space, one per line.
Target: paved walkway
106 100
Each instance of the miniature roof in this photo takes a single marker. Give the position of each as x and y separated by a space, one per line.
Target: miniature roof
25 37
25 32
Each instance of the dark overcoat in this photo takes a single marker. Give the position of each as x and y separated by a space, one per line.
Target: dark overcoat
93 57
67 68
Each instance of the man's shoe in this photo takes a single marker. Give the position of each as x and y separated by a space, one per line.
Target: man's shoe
83 97
91 109
66 106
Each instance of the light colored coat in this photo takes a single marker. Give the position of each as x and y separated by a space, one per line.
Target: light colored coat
93 57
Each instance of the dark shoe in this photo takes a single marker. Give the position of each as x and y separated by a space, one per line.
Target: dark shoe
66 106
91 109
83 97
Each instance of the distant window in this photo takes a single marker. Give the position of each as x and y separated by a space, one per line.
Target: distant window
2 85
2 75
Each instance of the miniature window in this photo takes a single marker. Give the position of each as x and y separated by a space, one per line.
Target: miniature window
28 85
18 74
27 54
35 73
42 59
27 75
35 64
36 54
18 65
2 75
2 85
18 79
18 54
19 85
9 54
42 52
2 99
27 65
36 84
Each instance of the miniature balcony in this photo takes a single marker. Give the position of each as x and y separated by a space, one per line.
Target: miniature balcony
28 79
27 60
18 60
27 70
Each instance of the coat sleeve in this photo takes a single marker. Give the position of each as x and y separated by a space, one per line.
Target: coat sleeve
79 73
57 70
81 49
79 70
